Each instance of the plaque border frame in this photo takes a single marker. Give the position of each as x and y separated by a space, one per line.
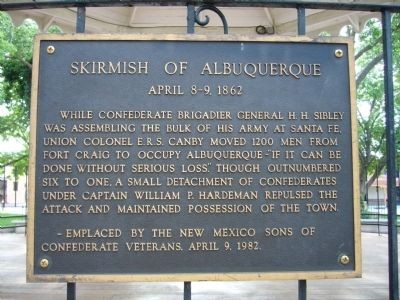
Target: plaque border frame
170 277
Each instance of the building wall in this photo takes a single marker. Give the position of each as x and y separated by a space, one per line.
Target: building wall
12 197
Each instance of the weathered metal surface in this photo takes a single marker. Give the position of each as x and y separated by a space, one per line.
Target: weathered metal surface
391 157
300 223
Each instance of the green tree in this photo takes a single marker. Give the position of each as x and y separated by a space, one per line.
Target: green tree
370 94
15 79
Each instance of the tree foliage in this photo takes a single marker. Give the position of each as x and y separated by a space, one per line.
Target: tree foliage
15 83
15 71
16 46
370 94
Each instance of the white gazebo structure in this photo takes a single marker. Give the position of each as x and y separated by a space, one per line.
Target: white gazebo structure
173 19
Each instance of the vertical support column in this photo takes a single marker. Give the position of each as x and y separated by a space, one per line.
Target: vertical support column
4 186
301 20
15 187
302 287
80 19
71 290
390 156
190 18
80 28
301 30
187 290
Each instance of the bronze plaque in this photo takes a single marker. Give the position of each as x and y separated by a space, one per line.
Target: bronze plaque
192 158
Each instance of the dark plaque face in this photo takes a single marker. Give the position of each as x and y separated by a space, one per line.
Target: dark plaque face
192 160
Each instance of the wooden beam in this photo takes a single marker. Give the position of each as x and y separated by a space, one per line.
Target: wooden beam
321 19
355 23
270 18
47 22
132 15
360 6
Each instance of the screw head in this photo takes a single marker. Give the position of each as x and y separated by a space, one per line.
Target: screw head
261 29
51 49
44 263
339 53
344 259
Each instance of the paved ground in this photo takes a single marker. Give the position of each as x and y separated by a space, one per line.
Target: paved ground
373 285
